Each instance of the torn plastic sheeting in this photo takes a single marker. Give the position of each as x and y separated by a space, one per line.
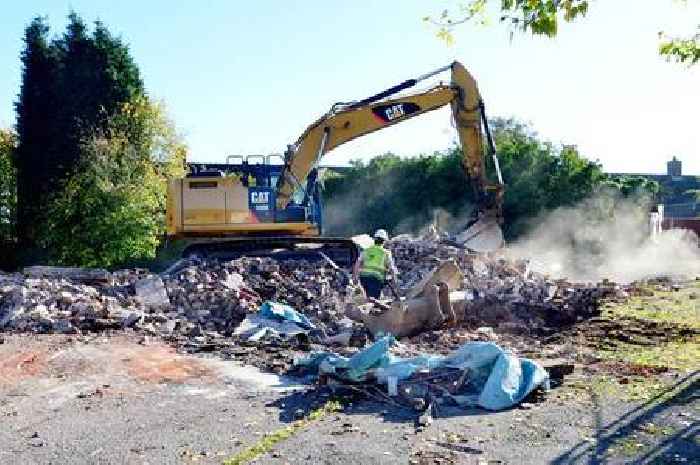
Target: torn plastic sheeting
473 355
374 356
256 326
355 368
405 368
510 381
497 380
278 311
500 379
478 357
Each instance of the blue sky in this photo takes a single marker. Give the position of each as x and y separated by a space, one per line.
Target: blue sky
248 77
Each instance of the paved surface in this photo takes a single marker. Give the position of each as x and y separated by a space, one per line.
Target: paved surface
118 401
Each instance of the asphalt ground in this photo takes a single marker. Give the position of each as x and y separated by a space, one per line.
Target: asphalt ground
123 400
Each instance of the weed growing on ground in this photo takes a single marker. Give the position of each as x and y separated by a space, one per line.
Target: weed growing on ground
268 442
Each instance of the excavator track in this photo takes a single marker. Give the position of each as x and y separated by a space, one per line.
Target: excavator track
344 252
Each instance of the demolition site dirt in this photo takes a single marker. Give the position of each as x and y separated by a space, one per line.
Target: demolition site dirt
125 399
131 368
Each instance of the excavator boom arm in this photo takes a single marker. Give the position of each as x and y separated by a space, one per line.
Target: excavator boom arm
335 129
357 119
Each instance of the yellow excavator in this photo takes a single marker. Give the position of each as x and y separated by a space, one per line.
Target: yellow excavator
256 206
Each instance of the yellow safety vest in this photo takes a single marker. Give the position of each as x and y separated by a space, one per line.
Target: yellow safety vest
374 262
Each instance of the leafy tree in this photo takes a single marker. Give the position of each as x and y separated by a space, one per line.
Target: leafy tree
111 209
8 188
70 85
543 17
538 176
34 113
634 186
681 49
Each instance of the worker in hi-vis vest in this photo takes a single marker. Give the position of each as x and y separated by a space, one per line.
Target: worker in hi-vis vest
374 265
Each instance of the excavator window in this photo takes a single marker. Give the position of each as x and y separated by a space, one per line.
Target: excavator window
277 160
255 159
298 196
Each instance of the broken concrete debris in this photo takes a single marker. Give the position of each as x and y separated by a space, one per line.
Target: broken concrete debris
450 297
151 292
84 275
200 300
443 284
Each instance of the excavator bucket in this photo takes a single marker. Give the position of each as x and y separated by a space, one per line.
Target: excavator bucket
485 235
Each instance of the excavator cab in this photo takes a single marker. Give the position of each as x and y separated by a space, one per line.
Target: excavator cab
229 209
242 191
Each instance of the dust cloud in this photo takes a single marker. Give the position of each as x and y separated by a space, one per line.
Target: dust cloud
606 237
438 219
344 214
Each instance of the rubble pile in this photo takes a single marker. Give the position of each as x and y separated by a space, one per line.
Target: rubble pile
61 306
209 300
416 257
534 299
206 299
502 291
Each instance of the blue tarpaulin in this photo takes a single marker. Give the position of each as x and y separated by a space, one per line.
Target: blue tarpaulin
497 379
282 312
273 320
356 368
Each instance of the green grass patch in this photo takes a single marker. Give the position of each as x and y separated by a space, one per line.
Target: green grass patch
637 389
643 389
677 355
633 445
268 442
628 447
662 391
675 309
668 307
656 430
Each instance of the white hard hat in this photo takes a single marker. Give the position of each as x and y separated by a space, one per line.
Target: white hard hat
381 234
